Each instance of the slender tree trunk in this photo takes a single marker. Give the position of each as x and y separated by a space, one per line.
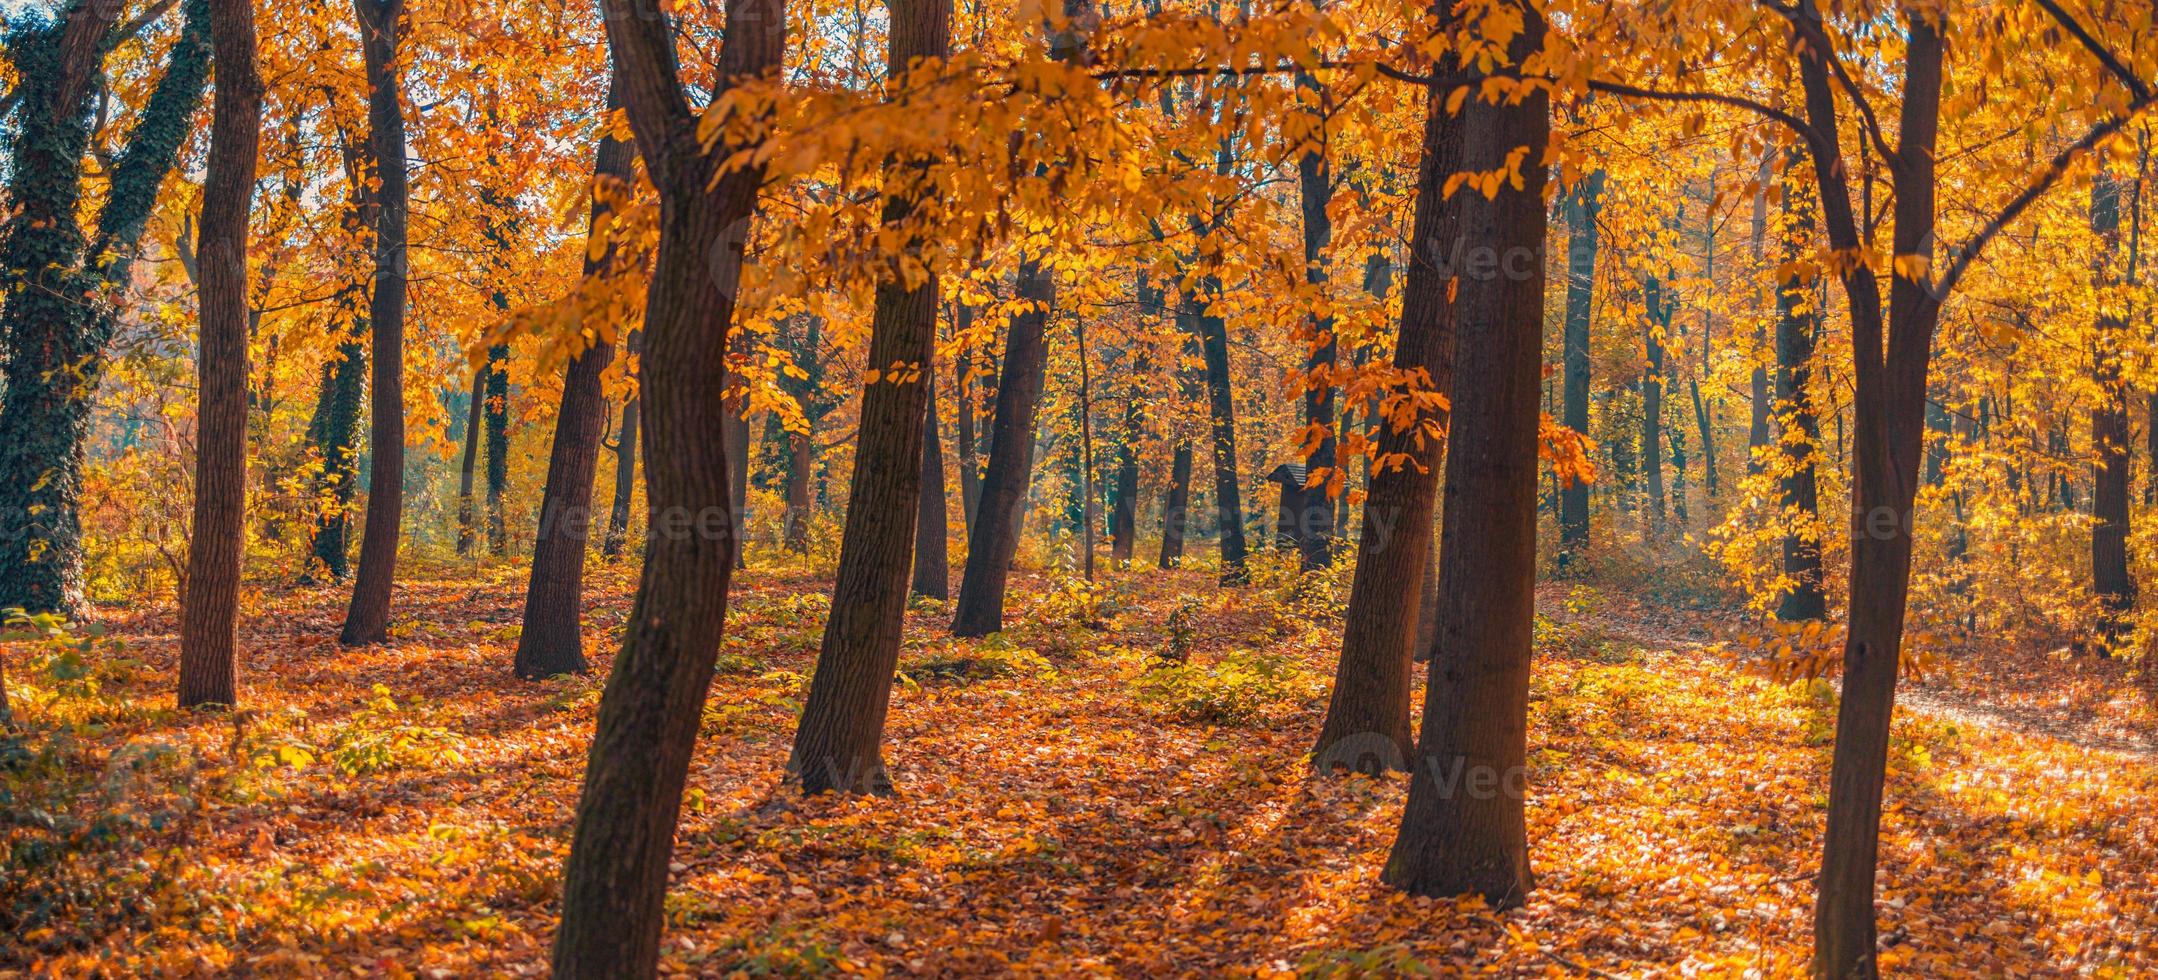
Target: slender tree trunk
736 435
1582 208
1704 414
1797 326
54 341
801 494
468 469
552 640
335 433
615 879
1890 422
1315 188
1221 404
970 472
1652 452
932 562
1757 433
1367 719
498 441
368 618
1002 508
838 747
1087 514
1473 838
626 450
1176 507
2110 433
219 534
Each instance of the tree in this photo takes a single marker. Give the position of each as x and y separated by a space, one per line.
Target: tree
615 879
932 564
1471 837
1367 718
626 448
367 619
334 430
1582 207
1315 189
837 748
219 533
1797 326
552 640
2110 432
60 305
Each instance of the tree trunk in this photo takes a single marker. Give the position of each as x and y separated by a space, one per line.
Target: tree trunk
1473 839
1367 718
1221 405
468 469
1797 326
54 341
1582 208
626 449
2110 434
1176 507
1087 513
334 431
498 441
970 473
615 879
1757 432
218 536
1889 436
552 640
736 436
1000 512
932 562
838 747
367 620
1315 188
801 495
1652 453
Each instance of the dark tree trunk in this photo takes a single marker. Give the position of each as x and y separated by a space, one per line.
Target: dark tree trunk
1176 507
999 514
801 493
497 416
1704 414
1652 452
210 608
615 879
1757 432
736 435
801 468
1367 719
970 473
626 448
839 746
1582 208
1315 188
932 562
334 432
468 468
2110 433
1473 838
552 640
53 340
1797 325
1221 405
1890 380
1088 516
368 618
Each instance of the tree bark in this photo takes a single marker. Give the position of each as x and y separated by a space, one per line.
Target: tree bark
1000 513
838 747
2110 434
1582 208
367 620
53 340
552 640
468 468
1473 838
626 449
1367 718
615 879
497 416
1221 406
1652 453
932 560
1797 326
1315 188
970 473
217 540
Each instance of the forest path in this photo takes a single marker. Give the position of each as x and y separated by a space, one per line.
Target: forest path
2066 720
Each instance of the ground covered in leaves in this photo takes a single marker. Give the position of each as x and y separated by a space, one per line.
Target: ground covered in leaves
1072 802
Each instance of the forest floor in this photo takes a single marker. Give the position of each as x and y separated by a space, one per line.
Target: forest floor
1067 805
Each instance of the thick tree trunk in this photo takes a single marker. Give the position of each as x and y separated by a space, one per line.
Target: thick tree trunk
552 640
1797 325
1582 209
932 560
334 431
1176 507
615 879
1221 405
54 341
1890 404
468 468
626 449
2110 434
1472 838
367 620
1000 512
800 491
1367 719
218 536
838 747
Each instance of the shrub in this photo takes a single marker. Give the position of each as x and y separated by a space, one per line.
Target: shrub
1241 688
